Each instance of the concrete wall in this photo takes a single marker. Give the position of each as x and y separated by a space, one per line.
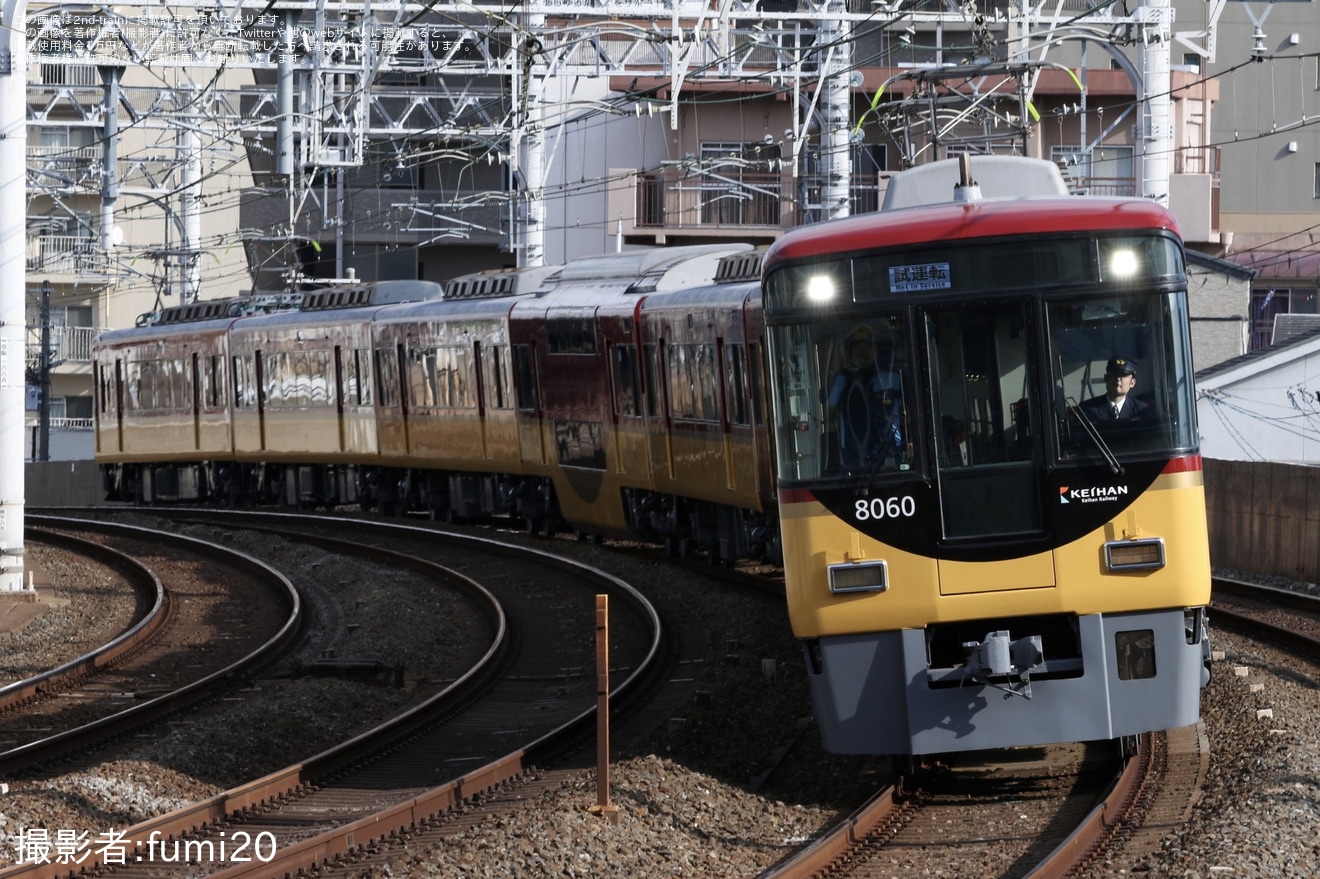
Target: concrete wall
1264 517
62 484
1220 306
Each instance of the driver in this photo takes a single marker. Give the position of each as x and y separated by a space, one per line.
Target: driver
1118 402
867 399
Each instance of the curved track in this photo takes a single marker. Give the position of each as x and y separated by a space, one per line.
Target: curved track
456 744
153 646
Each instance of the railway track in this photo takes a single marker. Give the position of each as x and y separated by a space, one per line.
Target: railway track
1281 616
224 611
1150 816
530 696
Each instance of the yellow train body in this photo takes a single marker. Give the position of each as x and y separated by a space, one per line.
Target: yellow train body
1069 579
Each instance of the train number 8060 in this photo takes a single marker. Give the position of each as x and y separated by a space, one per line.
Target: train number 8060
886 508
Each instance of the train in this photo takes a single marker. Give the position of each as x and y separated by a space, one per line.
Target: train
897 408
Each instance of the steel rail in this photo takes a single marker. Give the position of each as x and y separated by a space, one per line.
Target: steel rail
144 582
414 811
168 703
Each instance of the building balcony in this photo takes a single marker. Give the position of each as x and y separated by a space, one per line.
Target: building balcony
64 168
67 345
682 204
66 258
1194 194
46 77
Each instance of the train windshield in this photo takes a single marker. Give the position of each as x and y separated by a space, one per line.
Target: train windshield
845 399
980 364
1120 371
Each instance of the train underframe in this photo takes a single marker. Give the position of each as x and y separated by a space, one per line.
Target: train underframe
683 526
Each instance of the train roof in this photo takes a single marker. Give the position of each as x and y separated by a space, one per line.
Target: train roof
933 224
473 309
163 331
707 295
994 176
643 271
374 294
497 283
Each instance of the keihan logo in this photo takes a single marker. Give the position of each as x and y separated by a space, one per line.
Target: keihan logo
1092 494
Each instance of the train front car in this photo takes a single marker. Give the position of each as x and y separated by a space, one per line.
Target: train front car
978 553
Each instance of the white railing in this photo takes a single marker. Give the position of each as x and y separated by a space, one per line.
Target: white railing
77 75
70 254
67 344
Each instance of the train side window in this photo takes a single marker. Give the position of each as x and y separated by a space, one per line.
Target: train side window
524 376
353 386
458 378
495 376
214 382
362 375
627 388
277 380
99 384
132 386
692 382
756 383
735 384
245 382
387 377
653 392
321 392
178 385
304 379
422 378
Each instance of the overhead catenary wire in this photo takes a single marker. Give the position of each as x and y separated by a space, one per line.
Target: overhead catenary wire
214 203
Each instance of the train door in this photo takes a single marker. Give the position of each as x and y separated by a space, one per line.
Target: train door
630 451
340 397
405 395
527 396
727 365
480 368
110 403
195 377
985 418
659 436
760 406
259 366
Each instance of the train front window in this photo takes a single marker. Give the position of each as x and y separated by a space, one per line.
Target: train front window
981 387
1122 376
843 405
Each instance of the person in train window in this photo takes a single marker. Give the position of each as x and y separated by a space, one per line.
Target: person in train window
866 395
1118 402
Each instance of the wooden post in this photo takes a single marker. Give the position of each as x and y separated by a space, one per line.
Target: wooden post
603 806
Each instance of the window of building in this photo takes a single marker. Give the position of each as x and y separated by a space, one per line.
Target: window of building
740 183
1103 170
1267 303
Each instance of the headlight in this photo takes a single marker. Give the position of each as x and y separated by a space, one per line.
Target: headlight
859 577
1134 555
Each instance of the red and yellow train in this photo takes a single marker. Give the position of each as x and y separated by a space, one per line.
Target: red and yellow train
901 407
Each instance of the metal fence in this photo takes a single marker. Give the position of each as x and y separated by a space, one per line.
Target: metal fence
1263 517
67 344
